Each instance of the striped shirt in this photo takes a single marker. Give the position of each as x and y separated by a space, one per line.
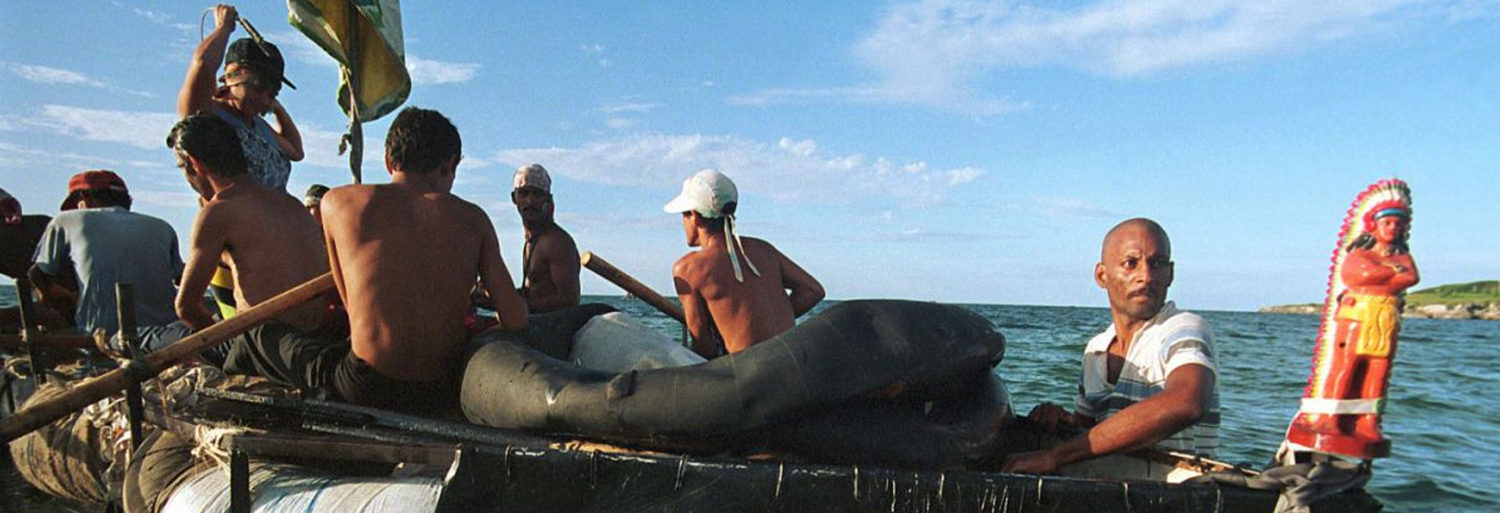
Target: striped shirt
1170 340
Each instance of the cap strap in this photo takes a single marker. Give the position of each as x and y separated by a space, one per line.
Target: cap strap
731 239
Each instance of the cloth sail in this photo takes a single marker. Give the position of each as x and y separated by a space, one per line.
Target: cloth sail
364 36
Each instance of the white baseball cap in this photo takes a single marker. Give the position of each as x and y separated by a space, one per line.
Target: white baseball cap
532 175
707 192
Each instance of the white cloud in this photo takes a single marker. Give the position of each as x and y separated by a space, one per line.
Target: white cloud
165 199
427 72
153 16
17 156
50 75
804 148
47 75
621 123
593 48
789 170
1071 208
629 107
935 52
135 128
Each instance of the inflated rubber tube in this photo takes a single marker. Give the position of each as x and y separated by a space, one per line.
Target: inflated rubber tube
959 432
936 351
67 458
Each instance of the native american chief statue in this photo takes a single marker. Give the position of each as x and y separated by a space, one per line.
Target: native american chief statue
1372 268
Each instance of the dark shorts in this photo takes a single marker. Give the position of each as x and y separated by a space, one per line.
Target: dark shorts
328 369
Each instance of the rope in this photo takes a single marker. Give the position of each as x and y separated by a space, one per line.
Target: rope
208 444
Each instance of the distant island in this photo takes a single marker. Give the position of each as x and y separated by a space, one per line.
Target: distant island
1475 300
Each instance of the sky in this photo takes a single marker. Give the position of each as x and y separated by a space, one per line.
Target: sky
956 151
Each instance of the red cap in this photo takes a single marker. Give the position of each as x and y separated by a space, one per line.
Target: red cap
97 180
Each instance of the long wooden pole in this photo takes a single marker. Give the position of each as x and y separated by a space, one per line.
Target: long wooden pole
92 390
616 276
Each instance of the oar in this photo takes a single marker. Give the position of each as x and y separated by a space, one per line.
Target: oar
93 389
616 276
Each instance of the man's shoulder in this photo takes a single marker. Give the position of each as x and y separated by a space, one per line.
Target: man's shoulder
556 239
693 264
1175 325
1177 319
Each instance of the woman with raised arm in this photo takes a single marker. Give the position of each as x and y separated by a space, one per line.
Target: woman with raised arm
253 75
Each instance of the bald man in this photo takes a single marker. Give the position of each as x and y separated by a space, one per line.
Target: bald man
1148 380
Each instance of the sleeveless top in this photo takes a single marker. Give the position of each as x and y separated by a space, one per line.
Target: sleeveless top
263 156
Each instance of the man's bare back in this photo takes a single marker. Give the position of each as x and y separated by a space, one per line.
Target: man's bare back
744 313
405 258
273 246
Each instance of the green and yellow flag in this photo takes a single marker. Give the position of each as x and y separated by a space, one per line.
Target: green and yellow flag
364 36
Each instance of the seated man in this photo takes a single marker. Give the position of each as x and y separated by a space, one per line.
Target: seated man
405 256
19 235
313 200
98 239
549 263
724 306
1148 380
273 245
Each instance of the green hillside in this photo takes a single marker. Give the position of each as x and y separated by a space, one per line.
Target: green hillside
1479 292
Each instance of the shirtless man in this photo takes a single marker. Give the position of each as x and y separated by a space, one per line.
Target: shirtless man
549 266
273 244
1148 380
723 304
405 256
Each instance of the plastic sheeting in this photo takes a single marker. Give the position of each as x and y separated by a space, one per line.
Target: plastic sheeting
614 342
278 488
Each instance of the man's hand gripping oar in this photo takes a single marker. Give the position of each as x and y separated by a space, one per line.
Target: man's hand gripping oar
92 390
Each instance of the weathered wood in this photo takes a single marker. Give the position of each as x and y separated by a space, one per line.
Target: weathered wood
609 272
12 342
92 390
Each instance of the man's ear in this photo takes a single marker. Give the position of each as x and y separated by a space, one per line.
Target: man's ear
195 166
1099 271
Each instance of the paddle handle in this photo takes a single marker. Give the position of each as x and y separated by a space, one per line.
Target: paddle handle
609 272
92 390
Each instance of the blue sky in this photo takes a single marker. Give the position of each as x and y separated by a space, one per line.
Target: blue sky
942 150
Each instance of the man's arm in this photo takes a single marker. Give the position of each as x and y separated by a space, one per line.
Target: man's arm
51 259
204 248
560 256
288 139
198 88
509 309
1184 402
806 291
695 314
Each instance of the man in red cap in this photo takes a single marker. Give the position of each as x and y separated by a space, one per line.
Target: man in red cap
97 237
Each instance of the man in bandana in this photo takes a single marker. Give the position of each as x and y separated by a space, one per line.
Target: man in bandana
549 262
726 306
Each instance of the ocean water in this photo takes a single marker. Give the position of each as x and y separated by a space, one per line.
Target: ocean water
1444 380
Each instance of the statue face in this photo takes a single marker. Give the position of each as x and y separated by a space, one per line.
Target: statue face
1389 229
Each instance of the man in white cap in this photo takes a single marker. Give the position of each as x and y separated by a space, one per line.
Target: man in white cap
723 303
549 260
